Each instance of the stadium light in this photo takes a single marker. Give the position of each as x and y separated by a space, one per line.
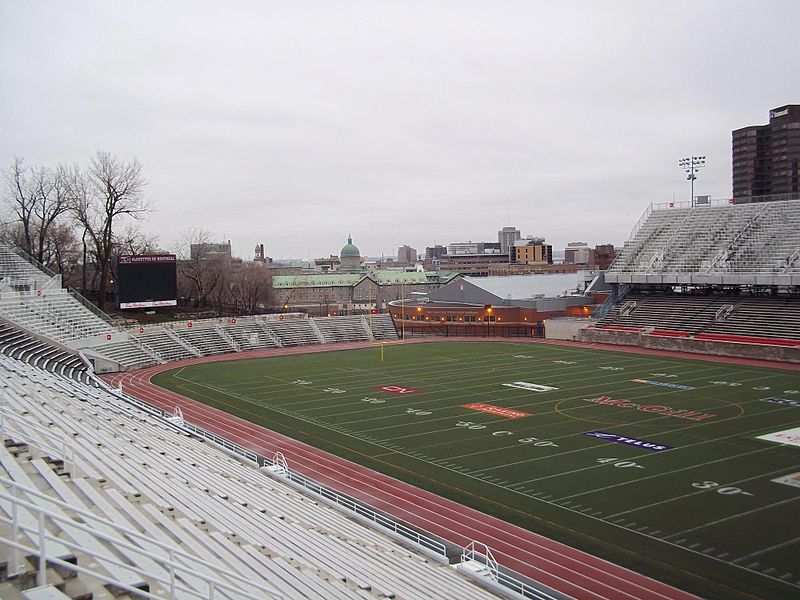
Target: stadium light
691 165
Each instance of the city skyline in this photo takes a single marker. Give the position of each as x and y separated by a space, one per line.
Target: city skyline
412 123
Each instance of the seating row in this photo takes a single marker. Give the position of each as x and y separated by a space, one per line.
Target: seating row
746 316
134 473
754 239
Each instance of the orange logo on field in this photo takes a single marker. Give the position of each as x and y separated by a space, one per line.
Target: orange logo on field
508 413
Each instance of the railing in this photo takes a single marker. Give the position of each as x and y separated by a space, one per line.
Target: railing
279 466
638 225
89 523
278 463
691 204
766 198
479 554
61 445
88 304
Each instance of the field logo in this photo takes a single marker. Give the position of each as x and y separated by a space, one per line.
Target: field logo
397 389
789 436
792 479
783 401
531 387
508 413
665 411
674 386
621 439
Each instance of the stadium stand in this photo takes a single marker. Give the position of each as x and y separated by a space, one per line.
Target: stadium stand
674 312
742 244
250 333
343 329
382 327
768 317
206 340
128 502
19 344
166 344
295 332
719 273
35 301
128 353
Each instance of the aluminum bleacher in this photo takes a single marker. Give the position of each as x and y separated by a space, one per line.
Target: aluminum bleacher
250 333
343 329
743 244
18 272
140 505
673 312
19 344
295 332
177 340
382 327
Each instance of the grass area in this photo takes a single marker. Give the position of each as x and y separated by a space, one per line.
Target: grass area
672 480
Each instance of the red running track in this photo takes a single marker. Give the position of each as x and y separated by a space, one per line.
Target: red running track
556 565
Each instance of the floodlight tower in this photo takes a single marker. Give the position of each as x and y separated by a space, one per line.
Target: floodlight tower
691 165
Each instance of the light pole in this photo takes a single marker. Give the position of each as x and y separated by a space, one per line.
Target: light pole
691 165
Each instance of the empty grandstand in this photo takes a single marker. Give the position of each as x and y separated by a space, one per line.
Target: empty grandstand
743 245
727 274
120 500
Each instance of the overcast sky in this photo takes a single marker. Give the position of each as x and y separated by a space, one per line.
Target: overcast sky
293 123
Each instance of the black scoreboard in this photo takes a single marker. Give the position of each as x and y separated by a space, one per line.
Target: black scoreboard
147 280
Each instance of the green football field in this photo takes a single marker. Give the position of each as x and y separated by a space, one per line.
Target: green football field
655 463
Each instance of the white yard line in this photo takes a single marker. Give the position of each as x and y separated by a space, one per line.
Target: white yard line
731 517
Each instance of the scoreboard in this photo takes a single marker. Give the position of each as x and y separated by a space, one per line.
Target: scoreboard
147 280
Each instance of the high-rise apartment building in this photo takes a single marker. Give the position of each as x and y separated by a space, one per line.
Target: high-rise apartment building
507 236
766 158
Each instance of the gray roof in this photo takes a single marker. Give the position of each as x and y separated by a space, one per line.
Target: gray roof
525 287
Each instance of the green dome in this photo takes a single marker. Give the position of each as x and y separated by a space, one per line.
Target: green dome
349 250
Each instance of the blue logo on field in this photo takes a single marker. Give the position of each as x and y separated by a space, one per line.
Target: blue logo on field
621 439
674 386
783 401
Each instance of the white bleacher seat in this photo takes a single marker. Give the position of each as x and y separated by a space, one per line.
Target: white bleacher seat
179 490
724 244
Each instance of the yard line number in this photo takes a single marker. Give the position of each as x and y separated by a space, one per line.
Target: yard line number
724 490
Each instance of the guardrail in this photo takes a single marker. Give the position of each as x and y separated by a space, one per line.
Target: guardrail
279 466
362 510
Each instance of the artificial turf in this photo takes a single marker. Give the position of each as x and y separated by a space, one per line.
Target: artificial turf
651 462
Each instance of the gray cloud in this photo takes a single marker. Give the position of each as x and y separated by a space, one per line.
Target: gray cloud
293 124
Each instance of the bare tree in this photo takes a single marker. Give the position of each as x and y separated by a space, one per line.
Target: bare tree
110 190
200 274
37 197
63 254
251 288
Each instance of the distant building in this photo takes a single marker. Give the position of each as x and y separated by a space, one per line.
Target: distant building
327 265
576 253
350 257
212 252
455 248
506 238
406 255
766 158
436 252
347 293
260 257
500 306
533 251
604 255
579 253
